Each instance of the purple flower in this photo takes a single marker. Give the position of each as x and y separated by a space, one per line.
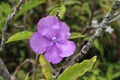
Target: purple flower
51 38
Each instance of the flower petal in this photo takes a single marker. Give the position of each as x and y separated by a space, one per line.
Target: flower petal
67 48
46 23
52 31
52 55
38 43
64 32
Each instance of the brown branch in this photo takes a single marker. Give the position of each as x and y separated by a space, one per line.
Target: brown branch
102 26
19 66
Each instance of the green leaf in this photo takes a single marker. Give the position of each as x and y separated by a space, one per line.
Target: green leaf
20 36
109 74
98 45
27 76
20 73
28 6
5 9
77 70
75 35
2 21
86 9
46 68
71 2
117 74
58 10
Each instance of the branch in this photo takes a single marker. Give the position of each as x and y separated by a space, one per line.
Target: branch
102 26
9 18
3 70
115 19
19 66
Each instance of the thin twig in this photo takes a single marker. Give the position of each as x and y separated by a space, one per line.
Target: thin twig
23 63
9 18
102 26
114 19
34 68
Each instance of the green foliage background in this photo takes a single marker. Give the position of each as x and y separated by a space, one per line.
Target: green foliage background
77 16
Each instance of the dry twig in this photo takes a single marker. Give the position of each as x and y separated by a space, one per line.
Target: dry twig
19 66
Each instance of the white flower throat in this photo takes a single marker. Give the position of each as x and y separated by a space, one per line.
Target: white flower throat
54 39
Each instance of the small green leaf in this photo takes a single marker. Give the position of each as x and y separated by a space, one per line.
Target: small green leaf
117 74
71 2
46 67
20 36
2 21
27 76
5 9
20 73
58 10
77 70
28 6
75 35
98 45
85 8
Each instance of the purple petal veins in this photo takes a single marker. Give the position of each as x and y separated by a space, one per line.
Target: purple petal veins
51 39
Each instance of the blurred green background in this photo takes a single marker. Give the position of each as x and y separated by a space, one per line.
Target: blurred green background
79 13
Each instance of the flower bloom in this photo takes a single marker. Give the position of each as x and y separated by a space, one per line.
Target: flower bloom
51 38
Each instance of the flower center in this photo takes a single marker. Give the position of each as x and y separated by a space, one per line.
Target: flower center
54 39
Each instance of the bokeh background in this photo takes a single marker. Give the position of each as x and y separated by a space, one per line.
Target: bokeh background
79 14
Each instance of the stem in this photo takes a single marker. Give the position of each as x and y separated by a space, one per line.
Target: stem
34 68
